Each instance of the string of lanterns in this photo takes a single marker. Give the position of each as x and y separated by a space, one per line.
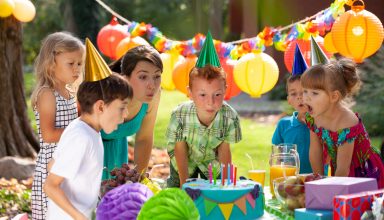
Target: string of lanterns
23 10
356 33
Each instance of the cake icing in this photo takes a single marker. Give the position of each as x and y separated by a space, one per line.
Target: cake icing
243 201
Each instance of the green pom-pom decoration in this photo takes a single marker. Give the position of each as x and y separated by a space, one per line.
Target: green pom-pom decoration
169 204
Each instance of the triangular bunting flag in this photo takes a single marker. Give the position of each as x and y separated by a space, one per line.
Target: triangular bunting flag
317 54
251 200
209 205
226 209
241 204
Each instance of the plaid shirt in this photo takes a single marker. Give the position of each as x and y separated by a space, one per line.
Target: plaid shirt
202 141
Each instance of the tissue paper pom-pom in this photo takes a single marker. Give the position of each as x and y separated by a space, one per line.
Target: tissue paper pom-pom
123 202
169 204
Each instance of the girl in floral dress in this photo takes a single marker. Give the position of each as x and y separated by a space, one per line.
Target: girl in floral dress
338 136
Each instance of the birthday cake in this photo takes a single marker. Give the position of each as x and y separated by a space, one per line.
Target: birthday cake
245 200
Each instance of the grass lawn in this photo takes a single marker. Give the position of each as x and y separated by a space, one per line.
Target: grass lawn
256 137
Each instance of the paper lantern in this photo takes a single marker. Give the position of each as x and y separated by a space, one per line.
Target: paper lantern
357 33
24 10
110 36
170 60
123 202
256 74
6 8
180 74
232 88
129 43
328 43
305 47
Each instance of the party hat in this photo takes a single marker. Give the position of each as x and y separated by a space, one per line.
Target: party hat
317 54
208 54
95 67
299 64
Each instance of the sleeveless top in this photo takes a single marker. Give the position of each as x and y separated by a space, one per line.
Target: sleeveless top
116 144
66 111
365 162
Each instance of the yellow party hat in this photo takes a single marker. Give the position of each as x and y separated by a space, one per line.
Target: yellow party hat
95 67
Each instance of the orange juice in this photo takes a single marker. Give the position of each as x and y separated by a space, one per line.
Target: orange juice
278 171
257 175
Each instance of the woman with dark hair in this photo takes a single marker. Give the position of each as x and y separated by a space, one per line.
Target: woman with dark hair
142 68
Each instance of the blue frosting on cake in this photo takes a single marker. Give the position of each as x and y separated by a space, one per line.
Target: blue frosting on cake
201 190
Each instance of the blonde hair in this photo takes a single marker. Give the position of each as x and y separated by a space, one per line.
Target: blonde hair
336 75
53 44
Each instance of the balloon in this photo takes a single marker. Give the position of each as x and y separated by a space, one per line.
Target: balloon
170 60
169 204
110 36
123 202
129 43
180 74
24 10
232 88
6 8
256 74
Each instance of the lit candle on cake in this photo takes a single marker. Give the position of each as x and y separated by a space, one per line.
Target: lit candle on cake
222 173
210 173
228 174
234 178
214 175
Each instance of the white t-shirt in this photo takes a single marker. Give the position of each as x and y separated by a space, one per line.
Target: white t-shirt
79 159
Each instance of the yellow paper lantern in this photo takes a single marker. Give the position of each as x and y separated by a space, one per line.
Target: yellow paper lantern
6 8
129 43
328 43
170 59
357 33
24 10
180 74
256 74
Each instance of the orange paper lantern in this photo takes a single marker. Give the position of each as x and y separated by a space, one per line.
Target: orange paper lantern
256 74
357 33
180 74
328 43
129 43
110 36
232 88
305 47
170 60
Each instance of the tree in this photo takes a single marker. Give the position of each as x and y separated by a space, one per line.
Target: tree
16 135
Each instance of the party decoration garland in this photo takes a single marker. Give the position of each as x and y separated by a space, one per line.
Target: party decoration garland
270 36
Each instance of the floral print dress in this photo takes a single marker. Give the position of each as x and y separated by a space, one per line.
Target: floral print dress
366 161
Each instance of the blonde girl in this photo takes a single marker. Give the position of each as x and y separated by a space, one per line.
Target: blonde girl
59 63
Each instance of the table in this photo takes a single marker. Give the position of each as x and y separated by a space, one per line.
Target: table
273 209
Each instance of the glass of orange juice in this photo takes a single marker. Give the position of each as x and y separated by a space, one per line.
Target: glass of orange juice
284 161
257 176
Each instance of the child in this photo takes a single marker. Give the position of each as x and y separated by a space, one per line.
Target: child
59 63
200 131
293 129
336 132
74 180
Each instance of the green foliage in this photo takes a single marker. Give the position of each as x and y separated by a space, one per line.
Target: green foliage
370 101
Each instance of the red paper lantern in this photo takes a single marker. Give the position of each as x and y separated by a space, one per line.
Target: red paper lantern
180 74
305 47
110 36
232 88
